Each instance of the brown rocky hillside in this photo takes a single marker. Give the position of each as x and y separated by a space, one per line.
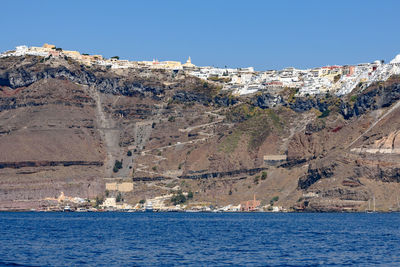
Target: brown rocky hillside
63 126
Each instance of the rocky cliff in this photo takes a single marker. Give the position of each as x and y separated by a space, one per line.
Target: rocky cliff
63 127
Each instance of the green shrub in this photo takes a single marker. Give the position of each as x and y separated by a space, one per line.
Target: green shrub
119 197
117 165
178 198
263 175
324 114
275 199
129 153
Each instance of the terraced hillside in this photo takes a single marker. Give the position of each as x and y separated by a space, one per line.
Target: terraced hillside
63 126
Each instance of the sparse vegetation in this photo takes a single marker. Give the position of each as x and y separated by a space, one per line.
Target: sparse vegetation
117 166
292 94
242 113
142 201
263 175
254 122
99 201
258 129
353 98
231 141
256 179
178 198
171 118
273 200
119 197
324 114
274 117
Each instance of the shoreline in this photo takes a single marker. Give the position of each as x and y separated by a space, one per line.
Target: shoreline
189 211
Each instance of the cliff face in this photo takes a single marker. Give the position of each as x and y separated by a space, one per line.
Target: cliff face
63 126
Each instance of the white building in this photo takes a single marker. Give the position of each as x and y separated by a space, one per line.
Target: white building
109 202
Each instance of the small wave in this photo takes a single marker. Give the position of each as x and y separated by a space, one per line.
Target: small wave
8 263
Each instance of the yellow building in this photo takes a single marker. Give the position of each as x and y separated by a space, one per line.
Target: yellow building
171 64
72 54
49 46
109 202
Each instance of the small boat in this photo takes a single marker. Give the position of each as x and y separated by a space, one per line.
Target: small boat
81 210
67 209
148 207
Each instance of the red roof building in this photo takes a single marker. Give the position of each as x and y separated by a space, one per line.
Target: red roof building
250 205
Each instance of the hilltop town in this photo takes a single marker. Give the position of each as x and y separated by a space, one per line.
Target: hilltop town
338 80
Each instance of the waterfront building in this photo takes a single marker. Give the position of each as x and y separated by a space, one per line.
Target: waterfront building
250 205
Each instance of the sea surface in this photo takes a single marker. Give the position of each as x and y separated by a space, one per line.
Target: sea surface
199 239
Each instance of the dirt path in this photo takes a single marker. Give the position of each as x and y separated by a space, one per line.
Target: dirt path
375 123
144 168
108 131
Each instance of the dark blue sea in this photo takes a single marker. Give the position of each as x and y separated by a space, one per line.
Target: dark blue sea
200 239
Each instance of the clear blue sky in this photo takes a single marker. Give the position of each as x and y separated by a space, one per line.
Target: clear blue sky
263 34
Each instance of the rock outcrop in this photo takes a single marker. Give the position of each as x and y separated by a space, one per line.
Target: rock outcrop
71 127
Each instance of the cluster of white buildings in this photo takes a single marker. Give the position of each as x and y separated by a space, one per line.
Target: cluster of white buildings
339 80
